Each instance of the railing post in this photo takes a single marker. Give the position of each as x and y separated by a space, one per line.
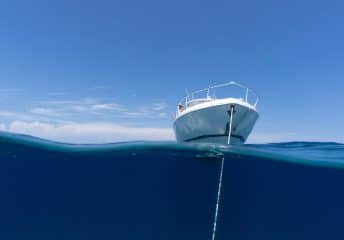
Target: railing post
246 95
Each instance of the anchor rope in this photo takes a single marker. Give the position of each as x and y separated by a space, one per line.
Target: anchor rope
230 125
218 198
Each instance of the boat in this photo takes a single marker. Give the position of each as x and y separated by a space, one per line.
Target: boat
203 117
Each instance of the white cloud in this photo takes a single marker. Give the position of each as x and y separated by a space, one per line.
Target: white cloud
107 107
162 115
88 132
102 132
15 115
43 111
66 121
83 101
159 106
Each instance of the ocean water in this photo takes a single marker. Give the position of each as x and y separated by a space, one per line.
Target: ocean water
163 190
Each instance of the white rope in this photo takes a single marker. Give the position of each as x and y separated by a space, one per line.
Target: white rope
230 126
218 198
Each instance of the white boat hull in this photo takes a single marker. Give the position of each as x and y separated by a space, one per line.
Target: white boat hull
209 122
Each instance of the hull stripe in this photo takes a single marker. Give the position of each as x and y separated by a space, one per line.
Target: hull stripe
215 135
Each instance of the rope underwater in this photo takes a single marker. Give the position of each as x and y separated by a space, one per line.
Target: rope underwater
218 198
221 174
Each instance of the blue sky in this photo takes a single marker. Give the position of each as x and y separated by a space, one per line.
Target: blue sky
113 70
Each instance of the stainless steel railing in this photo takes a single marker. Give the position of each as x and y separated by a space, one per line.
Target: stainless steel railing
205 95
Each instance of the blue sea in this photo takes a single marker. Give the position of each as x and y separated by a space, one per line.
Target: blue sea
164 190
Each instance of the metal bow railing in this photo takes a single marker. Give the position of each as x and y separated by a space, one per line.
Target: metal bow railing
190 98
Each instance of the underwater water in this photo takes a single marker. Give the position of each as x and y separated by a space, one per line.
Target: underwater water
163 190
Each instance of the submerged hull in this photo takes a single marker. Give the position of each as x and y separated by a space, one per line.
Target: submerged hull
210 122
